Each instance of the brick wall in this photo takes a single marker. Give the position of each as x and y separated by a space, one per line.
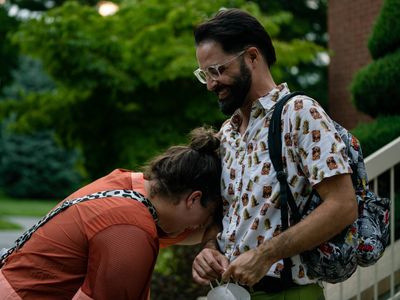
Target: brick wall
349 26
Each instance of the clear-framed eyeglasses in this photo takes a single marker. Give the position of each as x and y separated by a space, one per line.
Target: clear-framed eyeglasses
214 72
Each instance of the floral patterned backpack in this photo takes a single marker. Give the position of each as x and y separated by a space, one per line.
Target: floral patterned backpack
363 242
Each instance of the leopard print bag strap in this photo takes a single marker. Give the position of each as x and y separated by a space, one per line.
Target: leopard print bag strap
6 252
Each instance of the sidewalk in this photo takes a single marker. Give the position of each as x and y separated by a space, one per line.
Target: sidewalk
7 237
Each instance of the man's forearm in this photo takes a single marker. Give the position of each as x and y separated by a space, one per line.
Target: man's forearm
338 210
307 234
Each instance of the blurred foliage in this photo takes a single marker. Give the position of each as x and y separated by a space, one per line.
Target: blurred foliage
309 23
378 133
173 279
375 87
43 5
28 77
34 166
8 52
124 83
385 36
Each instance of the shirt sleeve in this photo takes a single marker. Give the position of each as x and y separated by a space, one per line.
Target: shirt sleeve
121 261
311 141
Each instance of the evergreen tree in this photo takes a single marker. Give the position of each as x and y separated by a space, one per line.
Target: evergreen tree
375 88
34 165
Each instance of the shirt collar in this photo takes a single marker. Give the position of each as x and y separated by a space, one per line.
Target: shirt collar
267 102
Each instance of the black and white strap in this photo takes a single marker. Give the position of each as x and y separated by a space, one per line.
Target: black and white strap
6 252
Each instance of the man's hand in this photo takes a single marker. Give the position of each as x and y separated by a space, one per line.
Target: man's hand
248 268
208 265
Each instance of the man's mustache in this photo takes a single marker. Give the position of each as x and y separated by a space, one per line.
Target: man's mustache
221 87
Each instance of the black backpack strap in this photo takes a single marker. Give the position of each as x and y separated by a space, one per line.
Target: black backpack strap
286 197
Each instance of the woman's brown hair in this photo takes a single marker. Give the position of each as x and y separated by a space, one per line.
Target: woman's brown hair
193 167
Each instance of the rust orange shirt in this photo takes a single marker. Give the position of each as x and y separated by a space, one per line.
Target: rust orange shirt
105 247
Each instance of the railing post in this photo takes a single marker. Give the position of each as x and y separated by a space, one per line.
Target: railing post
392 228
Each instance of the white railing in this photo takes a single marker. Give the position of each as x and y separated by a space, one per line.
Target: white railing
365 281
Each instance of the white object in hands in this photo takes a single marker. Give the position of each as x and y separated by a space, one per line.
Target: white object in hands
228 291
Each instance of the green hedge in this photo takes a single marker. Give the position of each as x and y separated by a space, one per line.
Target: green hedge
377 134
376 88
385 37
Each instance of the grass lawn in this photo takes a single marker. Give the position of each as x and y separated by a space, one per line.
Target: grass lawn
22 207
5 225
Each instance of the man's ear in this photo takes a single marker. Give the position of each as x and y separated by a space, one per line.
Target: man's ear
254 53
193 198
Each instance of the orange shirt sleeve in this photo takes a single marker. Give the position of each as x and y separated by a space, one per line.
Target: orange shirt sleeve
121 261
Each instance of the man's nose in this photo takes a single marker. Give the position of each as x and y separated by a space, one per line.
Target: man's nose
211 84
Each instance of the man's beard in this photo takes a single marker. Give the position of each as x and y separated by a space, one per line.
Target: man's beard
238 91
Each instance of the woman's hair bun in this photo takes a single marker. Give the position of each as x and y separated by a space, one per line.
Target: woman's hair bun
204 139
